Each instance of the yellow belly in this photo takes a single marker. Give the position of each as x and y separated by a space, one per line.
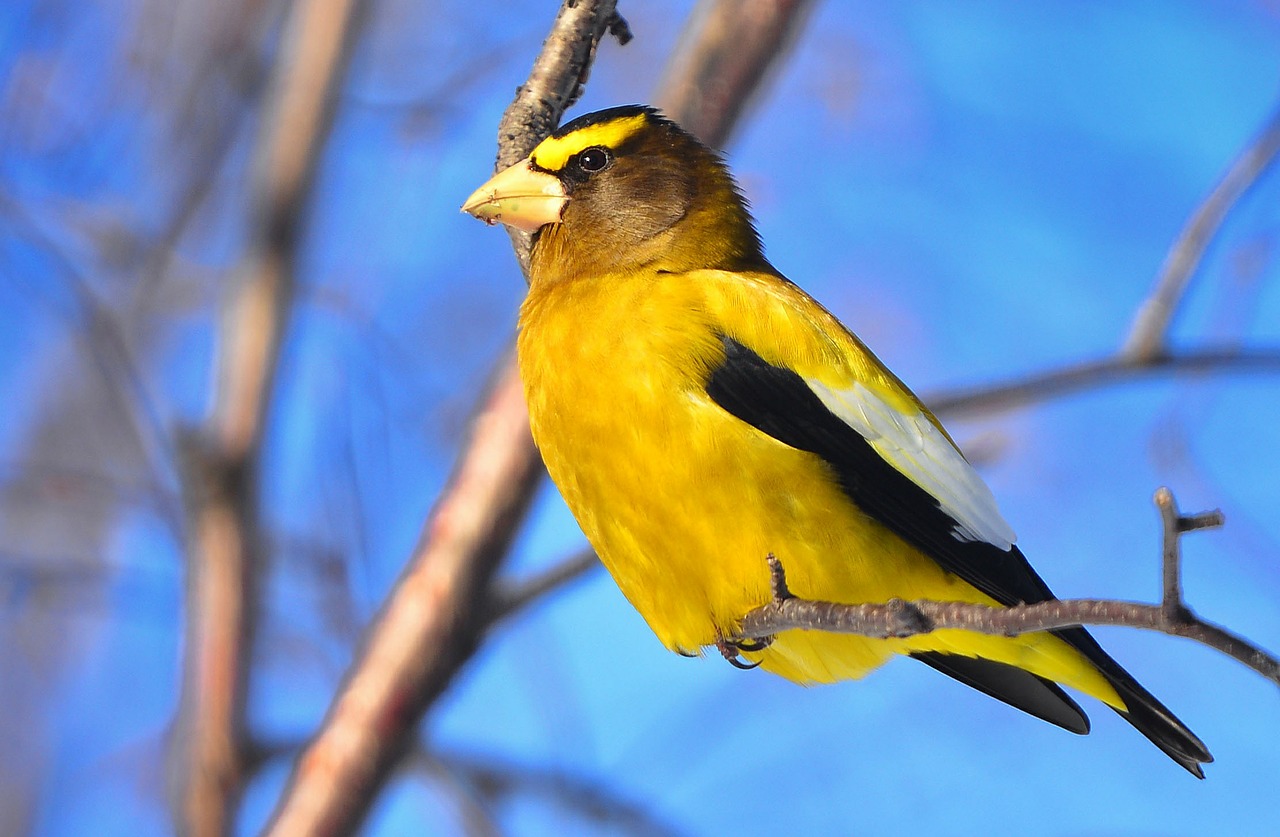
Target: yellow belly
683 501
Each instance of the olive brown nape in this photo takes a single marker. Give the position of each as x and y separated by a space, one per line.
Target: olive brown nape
643 192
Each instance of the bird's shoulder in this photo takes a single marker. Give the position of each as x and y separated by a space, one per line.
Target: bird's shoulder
793 370
788 328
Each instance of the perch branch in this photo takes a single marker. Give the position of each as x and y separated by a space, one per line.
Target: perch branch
1037 387
898 618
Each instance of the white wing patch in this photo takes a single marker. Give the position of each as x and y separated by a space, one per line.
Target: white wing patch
914 446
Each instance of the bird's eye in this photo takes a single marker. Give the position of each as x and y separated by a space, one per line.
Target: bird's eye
594 159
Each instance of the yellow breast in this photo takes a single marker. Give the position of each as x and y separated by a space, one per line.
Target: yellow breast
683 502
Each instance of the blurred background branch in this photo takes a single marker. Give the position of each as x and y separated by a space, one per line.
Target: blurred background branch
1148 334
225 544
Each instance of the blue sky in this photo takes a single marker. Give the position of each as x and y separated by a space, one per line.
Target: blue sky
980 190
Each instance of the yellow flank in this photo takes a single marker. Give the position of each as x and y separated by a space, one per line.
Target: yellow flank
647 463
554 152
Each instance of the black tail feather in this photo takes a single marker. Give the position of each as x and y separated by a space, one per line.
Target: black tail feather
1034 695
1046 700
1147 715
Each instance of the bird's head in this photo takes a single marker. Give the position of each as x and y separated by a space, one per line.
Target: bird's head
622 189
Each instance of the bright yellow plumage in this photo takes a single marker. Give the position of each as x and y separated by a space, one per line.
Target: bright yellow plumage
683 501
699 412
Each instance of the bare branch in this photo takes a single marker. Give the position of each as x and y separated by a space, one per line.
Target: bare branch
493 781
1092 374
221 460
513 598
554 84
721 63
428 627
299 107
210 724
1148 334
898 618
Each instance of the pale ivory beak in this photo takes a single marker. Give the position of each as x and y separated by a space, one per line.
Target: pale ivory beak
519 197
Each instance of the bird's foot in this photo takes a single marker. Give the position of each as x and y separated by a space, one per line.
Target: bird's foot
733 649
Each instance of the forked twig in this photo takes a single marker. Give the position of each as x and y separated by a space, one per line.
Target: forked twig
898 618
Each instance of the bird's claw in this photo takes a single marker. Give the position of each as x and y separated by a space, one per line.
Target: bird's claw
733 649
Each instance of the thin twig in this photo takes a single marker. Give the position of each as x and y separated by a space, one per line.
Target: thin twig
1148 334
1092 374
599 805
1171 604
221 460
516 597
431 623
899 618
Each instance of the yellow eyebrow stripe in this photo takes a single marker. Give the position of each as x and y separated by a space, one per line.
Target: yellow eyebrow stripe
554 152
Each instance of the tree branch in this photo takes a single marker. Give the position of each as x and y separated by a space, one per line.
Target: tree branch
1147 338
513 597
554 84
427 628
220 462
722 61
898 618
1092 374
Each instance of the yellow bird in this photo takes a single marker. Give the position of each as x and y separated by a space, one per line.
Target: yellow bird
699 412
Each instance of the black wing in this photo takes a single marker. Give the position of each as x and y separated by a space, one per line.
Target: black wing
777 401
